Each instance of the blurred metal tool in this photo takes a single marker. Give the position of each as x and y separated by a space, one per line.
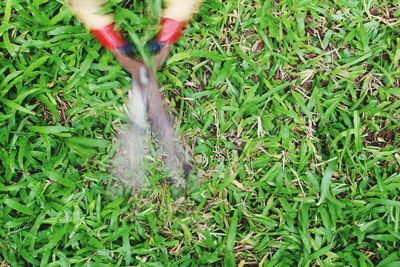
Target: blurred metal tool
145 100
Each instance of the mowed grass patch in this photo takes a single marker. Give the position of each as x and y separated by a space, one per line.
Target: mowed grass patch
290 109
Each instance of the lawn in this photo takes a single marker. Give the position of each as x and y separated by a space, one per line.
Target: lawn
290 110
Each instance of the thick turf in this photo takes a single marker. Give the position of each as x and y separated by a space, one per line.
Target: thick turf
290 109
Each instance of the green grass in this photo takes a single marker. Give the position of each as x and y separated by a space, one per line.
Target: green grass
291 110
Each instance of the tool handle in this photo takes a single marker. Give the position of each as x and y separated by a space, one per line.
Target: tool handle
100 25
175 18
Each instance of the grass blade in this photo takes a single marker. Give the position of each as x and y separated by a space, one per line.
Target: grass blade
326 182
